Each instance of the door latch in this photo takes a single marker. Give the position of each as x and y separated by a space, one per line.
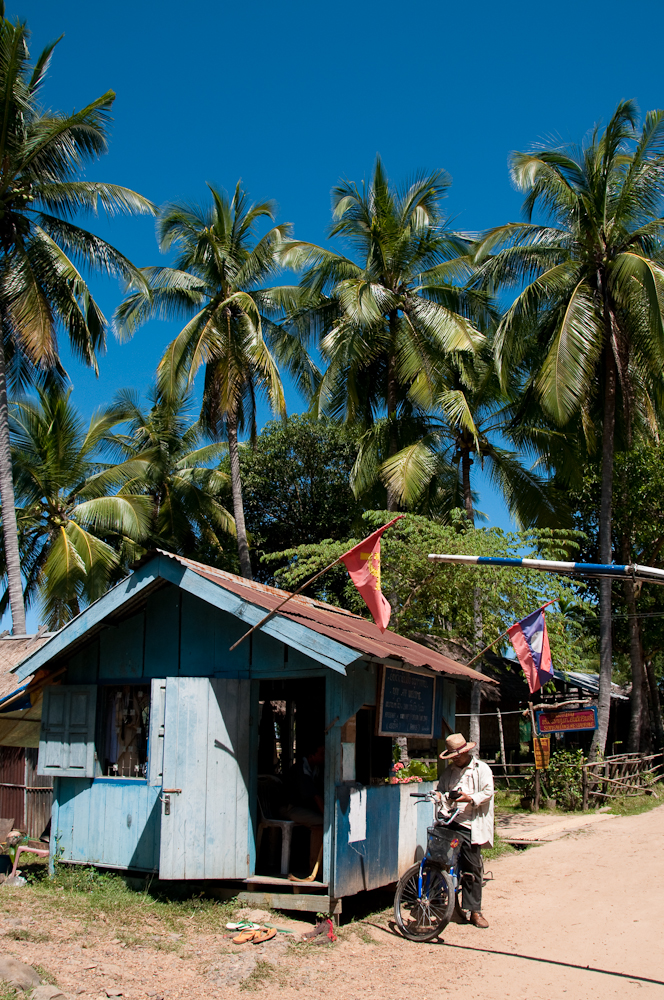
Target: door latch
166 798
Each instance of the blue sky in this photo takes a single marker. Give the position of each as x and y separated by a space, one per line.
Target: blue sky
292 96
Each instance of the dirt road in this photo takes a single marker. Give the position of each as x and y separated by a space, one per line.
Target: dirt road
578 918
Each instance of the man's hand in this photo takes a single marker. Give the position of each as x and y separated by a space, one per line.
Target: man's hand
465 797
437 797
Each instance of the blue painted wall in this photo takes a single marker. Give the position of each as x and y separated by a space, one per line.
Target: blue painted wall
106 821
109 821
118 823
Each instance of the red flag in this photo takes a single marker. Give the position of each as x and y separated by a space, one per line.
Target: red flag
363 565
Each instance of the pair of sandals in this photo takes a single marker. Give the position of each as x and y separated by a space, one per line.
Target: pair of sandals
254 933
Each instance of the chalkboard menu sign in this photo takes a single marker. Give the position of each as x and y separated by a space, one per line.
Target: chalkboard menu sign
406 703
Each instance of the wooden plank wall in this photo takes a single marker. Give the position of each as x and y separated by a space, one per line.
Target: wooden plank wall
344 696
108 821
179 635
207 755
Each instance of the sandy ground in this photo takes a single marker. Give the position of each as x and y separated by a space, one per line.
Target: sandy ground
577 918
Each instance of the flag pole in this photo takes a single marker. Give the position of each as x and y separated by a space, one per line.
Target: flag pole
502 635
278 608
307 583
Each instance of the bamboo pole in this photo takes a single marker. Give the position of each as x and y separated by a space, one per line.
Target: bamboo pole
278 608
502 746
502 636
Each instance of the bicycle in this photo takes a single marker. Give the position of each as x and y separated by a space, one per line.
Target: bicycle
426 894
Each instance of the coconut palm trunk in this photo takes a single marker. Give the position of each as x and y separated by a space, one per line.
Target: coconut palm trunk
391 401
9 527
238 505
635 656
605 552
476 686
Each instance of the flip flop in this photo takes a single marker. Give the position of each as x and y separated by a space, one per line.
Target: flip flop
244 936
242 925
265 935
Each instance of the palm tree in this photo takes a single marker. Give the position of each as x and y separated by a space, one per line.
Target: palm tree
472 421
41 288
385 321
218 272
586 334
171 459
77 534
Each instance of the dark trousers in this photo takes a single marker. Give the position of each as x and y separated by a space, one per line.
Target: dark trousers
471 870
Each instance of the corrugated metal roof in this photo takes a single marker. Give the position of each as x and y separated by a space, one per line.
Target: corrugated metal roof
343 626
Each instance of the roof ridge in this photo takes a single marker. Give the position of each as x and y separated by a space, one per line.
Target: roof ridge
256 586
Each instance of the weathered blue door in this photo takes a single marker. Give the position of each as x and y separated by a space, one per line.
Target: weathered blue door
205 824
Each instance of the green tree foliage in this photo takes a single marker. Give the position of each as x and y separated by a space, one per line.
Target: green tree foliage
220 268
586 333
475 421
384 318
296 480
77 535
637 609
432 599
41 287
167 457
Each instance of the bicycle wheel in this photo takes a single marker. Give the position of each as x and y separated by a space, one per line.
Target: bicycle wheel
422 915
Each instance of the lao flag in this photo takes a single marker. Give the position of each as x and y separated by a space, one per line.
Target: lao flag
363 565
531 643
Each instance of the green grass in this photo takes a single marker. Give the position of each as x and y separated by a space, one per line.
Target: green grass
45 975
500 849
507 800
129 909
263 973
632 806
23 934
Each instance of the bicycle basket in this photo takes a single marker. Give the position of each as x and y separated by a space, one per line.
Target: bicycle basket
443 845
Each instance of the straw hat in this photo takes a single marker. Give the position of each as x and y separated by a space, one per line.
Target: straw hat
456 745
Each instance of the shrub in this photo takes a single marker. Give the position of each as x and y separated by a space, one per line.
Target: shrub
562 780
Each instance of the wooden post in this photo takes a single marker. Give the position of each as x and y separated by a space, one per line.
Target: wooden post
537 793
584 786
502 746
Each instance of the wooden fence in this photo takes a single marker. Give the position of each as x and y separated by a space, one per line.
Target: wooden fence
616 776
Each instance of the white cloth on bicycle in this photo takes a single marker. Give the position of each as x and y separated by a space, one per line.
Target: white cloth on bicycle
477 780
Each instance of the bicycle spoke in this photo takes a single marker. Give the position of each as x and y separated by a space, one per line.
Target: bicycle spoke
422 915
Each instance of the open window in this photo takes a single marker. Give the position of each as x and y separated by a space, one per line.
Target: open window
123 730
373 754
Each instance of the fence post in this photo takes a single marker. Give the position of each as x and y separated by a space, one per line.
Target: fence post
584 786
502 746
537 790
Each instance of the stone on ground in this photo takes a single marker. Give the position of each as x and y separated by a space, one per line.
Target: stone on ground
18 973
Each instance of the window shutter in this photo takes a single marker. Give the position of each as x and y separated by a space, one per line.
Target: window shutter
156 736
67 738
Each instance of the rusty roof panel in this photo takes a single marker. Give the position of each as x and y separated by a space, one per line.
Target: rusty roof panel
343 626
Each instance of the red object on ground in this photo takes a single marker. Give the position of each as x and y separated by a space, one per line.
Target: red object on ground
363 565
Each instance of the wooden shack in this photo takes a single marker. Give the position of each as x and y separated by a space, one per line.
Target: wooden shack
25 796
158 738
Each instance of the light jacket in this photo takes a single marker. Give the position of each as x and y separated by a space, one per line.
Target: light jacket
481 782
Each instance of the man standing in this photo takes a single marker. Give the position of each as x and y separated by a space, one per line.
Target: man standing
473 780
